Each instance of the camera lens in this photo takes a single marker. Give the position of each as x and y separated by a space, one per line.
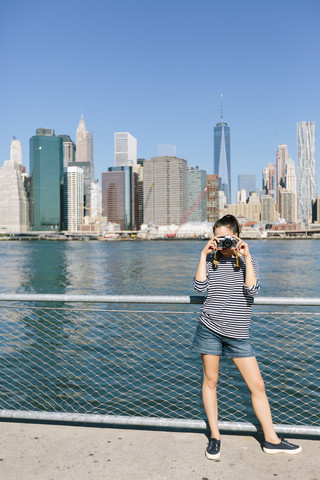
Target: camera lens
227 242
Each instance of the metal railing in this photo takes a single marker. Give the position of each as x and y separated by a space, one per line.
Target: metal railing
89 359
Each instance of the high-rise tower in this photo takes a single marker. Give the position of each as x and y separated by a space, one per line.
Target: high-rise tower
125 149
165 190
46 170
306 170
222 165
84 159
82 151
281 165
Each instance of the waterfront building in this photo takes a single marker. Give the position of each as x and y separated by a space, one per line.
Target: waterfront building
212 198
120 197
247 183
69 150
125 149
14 205
316 210
73 198
222 162
268 209
165 190
306 170
268 180
46 180
197 182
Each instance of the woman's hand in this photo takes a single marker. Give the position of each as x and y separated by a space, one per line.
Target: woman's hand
242 247
210 247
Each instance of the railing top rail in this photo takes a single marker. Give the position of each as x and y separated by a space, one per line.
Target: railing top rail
151 299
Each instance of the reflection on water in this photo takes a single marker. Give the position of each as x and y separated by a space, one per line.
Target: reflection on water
288 268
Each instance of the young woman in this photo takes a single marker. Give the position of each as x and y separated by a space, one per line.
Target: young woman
230 274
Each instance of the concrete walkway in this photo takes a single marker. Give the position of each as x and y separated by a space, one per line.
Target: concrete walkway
54 452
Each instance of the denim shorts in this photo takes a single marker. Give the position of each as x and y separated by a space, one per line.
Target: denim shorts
209 342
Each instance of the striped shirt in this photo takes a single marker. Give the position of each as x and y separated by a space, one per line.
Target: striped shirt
228 306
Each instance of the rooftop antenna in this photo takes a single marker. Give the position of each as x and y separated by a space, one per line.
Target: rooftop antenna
221 107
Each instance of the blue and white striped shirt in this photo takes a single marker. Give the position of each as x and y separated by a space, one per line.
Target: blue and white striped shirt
228 306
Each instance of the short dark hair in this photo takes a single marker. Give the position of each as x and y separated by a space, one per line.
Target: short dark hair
228 221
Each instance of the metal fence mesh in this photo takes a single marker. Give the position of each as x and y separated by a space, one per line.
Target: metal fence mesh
139 362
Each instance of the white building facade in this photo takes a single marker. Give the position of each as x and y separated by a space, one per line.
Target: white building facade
14 205
125 149
16 152
165 193
96 200
73 196
306 170
82 142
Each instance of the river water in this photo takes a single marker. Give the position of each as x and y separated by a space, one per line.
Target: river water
287 267
139 363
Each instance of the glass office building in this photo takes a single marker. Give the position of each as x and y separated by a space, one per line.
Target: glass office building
222 165
197 182
247 183
120 197
46 189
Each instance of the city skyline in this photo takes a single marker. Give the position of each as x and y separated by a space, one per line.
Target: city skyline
165 90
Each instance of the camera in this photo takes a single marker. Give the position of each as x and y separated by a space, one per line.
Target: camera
226 242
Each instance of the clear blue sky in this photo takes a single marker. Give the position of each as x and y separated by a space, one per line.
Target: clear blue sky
156 69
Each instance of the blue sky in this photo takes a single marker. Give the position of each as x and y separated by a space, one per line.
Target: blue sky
157 69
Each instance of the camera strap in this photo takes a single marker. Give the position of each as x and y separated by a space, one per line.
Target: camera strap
216 256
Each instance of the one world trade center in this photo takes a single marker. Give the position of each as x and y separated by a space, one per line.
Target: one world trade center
222 157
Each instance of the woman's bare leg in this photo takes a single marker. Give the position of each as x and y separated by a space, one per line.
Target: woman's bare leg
210 365
249 369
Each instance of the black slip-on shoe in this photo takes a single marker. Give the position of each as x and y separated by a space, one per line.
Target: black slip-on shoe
213 449
282 447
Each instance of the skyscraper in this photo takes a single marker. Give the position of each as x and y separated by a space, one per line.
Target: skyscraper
287 201
82 152
281 166
268 180
247 183
84 159
212 198
306 170
268 212
197 182
14 205
15 152
120 197
73 198
125 149
165 190
46 170
69 150
222 165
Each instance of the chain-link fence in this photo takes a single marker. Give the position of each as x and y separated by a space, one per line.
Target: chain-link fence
137 361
